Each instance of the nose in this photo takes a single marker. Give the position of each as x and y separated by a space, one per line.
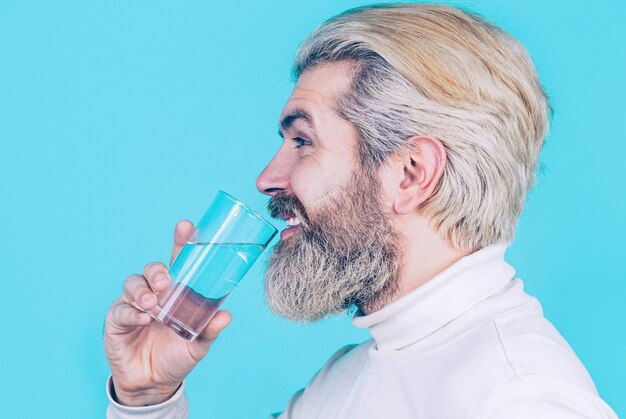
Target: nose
275 177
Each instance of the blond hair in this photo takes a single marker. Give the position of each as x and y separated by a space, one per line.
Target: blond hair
438 71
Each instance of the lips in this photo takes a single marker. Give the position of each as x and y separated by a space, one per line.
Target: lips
288 208
294 225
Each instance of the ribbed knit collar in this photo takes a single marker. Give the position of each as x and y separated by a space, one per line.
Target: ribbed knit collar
439 301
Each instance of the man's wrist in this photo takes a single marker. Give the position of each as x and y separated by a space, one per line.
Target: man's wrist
148 397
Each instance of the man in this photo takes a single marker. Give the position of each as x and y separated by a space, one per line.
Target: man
411 139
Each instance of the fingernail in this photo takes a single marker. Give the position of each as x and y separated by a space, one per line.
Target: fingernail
160 279
148 299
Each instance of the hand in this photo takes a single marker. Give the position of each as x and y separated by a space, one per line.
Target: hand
149 361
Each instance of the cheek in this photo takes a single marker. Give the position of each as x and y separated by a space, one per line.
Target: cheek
313 183
307 182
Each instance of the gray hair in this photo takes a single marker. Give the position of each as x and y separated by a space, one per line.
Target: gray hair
441 72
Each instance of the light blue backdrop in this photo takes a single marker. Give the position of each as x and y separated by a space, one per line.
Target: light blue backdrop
118 118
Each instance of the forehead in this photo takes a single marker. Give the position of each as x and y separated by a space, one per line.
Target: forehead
317 90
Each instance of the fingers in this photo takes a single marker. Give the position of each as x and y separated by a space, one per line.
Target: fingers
138 293
139 296
182 234
157 275
122 316
218 323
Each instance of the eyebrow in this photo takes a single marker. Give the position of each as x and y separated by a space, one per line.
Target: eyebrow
287 122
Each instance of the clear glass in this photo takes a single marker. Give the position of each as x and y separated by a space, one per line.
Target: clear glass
226 242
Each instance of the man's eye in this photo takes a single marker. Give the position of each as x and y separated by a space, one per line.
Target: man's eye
299 142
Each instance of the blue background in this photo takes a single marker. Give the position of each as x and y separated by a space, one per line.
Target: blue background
118 118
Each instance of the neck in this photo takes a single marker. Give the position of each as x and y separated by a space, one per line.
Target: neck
424 255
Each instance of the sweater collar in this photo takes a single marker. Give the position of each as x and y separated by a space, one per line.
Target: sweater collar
440 300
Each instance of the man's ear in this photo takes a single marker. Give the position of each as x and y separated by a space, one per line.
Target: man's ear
422 167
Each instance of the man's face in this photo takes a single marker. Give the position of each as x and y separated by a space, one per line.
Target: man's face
318 153
342 248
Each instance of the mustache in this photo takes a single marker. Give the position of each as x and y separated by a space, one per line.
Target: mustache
286 204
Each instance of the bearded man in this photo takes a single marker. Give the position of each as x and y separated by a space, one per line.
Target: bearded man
411 139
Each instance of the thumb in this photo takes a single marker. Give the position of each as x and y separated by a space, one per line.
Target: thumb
200 346
219 322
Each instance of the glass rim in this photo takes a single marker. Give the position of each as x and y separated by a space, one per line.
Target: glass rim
247 209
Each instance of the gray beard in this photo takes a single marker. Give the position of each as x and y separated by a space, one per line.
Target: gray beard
346 258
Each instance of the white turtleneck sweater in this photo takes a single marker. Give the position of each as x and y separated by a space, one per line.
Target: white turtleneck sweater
469 343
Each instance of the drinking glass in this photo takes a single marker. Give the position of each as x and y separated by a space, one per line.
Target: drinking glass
226 242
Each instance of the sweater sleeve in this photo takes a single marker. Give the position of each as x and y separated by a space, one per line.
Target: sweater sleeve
174 408
547 399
